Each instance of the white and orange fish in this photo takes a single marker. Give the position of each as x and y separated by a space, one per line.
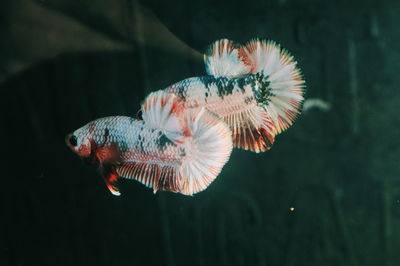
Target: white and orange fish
170 149
251 94
257 89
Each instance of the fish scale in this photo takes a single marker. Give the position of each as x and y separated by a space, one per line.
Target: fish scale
221 98
128 135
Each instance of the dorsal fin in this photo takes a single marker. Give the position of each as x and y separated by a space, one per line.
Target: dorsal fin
262 56
222 59
162 110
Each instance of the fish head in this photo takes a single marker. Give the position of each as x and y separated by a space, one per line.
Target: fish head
79 142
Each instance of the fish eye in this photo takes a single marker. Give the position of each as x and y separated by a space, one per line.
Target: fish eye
73 140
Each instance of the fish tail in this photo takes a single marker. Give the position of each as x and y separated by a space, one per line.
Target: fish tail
280 85
223 58
207 150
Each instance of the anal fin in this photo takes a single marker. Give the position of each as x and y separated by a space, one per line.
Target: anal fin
252 129
158 177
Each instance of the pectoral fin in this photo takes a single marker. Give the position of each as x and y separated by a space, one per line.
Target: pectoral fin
111 179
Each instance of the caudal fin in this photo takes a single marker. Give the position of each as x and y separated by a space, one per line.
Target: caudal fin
207 150
223 59
283 94
281 85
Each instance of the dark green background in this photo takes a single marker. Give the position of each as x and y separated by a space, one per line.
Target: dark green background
339 169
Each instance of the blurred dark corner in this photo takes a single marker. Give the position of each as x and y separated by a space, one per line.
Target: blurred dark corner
327 193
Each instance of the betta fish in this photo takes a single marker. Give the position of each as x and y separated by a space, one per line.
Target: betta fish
251 94
171 149
257 89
